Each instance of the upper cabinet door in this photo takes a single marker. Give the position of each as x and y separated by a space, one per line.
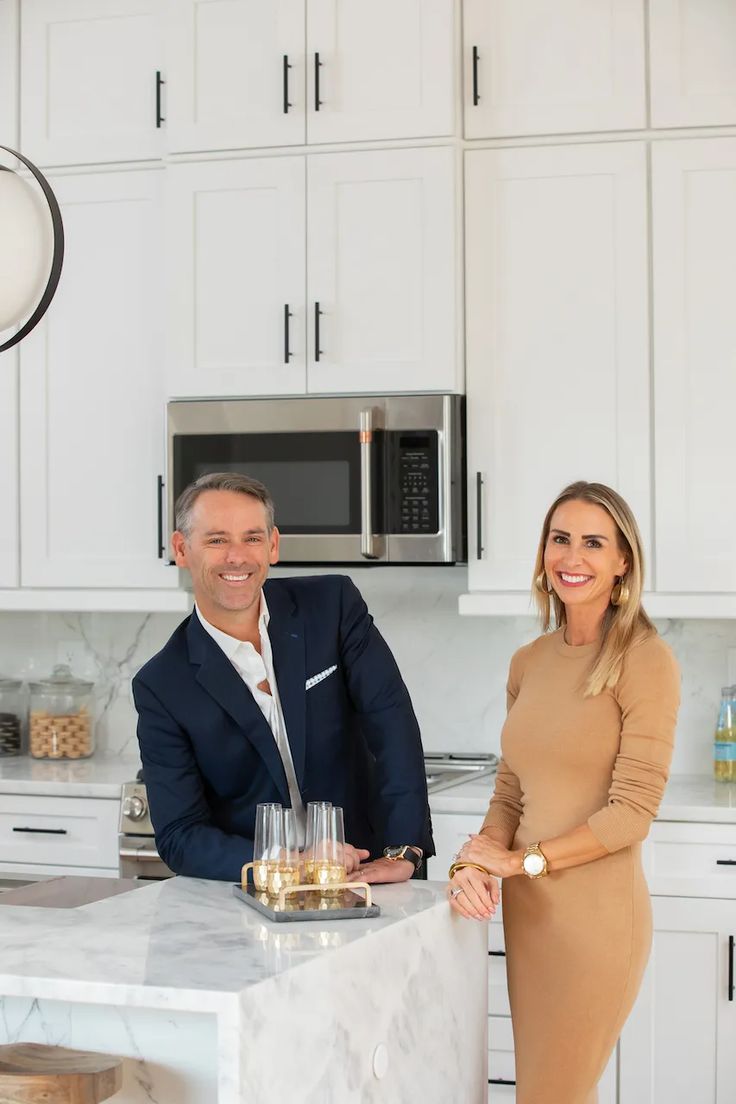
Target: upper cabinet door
381 271
531 67
694 204
236 260
9 73
92 404
557 341
235 74
383 69
692 62
89 80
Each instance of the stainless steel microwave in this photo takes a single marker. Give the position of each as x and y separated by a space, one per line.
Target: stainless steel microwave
358 479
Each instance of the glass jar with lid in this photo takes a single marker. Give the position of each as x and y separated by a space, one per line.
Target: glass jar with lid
61 716
12 715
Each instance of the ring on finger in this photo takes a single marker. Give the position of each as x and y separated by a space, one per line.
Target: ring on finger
456 891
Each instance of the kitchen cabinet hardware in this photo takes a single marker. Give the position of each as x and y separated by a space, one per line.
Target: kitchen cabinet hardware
497 954
317 315
287 316
159 81
500 1081
44 831
476 94
479 515
286 68
317 67
160 515
730 967
725 862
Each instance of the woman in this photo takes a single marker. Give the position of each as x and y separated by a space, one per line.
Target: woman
586 749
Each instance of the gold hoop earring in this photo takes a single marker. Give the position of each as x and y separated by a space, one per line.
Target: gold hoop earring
620 593
542 583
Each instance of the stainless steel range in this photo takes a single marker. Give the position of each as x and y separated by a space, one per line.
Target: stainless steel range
445 769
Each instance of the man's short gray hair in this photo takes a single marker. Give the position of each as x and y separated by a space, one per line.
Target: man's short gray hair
221 481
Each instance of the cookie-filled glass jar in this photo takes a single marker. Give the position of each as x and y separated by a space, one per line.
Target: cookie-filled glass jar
12 716
61 722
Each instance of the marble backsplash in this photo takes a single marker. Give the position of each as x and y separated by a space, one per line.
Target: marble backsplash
455 667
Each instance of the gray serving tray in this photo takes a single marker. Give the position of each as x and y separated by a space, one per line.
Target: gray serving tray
348 906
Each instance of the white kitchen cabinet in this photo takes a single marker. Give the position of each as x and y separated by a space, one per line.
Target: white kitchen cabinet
234 74
236 249
541 68
65 832
9 545
678 1044
9 24
694 266
89 80
557 342
92 403
692 71
380 70
381 271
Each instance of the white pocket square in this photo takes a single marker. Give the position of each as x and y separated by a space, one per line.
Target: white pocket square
318 678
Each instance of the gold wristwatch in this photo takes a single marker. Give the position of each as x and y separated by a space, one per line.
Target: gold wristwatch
534 862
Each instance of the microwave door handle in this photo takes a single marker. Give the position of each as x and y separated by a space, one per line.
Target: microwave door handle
366 485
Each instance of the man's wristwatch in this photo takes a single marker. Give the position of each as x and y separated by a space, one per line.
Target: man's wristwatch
404 851
534 862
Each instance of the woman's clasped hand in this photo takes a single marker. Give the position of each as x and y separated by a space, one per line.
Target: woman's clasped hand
496 858
473 892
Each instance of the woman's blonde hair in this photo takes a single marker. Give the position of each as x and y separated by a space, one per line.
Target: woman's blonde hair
622 624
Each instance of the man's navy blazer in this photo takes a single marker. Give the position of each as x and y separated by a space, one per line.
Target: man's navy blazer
209 756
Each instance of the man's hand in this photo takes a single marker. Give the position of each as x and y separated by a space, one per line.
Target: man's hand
354 856
381 871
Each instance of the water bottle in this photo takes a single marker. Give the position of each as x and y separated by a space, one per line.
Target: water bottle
724 748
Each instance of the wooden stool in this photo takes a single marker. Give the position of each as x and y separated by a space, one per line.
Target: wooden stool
31 1073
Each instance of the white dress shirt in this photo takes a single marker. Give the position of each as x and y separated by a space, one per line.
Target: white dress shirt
254 669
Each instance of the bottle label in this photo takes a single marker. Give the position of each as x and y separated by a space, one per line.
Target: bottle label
724 752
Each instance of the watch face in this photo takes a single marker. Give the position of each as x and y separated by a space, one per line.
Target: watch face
393 852
533 864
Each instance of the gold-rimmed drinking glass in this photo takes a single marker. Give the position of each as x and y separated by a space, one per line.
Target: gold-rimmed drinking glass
283 861
266 819
316 826
329 851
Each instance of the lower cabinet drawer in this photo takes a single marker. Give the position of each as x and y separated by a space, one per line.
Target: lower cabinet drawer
498 994
58 831
501 1068
691 860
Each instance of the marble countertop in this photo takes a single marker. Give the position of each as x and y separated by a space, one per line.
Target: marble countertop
688 797
99 776
184 944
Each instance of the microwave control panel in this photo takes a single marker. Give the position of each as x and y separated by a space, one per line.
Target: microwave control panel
416 508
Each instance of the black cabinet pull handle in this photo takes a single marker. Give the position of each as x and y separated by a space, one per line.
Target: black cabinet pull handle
160 513
159 81
317 67
500 1081
476 94
497 954
317 315
44 831
479 515
286 68
725 862
287 316
730 967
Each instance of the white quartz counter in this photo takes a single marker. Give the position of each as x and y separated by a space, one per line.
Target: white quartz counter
209 1002
688 797
99 776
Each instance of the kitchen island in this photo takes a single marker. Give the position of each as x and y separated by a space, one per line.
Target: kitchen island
209 1003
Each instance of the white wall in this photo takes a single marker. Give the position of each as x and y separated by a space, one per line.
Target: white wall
455 667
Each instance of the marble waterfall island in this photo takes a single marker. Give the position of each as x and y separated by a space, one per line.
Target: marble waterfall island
209 1003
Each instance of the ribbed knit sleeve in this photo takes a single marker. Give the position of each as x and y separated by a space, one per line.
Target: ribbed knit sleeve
648 694
505 809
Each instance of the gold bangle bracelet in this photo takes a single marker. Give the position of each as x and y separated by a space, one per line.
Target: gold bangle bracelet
460 865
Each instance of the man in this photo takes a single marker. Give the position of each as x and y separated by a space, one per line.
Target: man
279 690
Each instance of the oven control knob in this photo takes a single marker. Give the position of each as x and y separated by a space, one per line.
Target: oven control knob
134 808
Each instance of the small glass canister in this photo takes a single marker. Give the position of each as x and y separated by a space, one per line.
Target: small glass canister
61 720
12 715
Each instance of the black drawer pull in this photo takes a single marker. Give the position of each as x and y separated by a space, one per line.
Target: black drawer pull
44 831
497 954
476 93
159 82
730 967
725 862
285 78
500 1081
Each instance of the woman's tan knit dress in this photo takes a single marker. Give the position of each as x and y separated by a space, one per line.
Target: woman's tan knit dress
578 940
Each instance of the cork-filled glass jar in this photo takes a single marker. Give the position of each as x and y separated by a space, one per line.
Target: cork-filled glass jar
61 723
12 716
